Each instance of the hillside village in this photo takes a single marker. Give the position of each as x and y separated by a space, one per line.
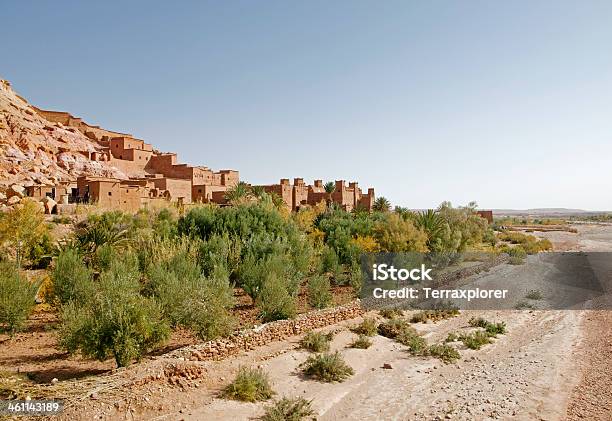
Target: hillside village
60 161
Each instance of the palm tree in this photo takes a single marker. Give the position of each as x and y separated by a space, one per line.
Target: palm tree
329 188
382 204
258 191
432 223
240 192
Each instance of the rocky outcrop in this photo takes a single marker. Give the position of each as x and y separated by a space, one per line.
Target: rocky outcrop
36 150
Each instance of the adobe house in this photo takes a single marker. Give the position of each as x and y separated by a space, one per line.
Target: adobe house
111 193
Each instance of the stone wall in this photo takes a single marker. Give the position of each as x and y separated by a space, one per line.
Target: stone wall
267 333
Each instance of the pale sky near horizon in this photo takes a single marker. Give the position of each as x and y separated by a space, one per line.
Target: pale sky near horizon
505 103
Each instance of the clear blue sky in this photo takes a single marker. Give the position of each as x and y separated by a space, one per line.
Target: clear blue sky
506 103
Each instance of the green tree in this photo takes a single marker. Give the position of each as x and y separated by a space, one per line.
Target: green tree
22 229
382 204
17 297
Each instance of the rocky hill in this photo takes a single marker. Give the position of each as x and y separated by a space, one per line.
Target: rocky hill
37 148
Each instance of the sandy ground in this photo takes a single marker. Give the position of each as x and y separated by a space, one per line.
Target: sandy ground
551 365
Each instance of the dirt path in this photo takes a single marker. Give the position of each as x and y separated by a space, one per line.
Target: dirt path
551 365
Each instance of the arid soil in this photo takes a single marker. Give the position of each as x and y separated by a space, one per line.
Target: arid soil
551 365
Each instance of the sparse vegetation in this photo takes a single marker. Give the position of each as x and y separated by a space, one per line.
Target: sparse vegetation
434 315
289 409
524 305
444 352
417 345
368 327
316 341
250 385
392 328
319 292
534 294
390 313
475 340
327 367
17 296
362 342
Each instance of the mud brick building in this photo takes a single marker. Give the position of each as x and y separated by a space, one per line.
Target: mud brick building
300 194
150 176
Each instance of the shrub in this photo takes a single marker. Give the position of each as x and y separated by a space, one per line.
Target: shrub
491 329
24 232
392 328
250 385
534 294
494 329
478 322
524 305
475 340
327 367
17 298
316 341
72 279
189 299
362 342
416 344
444 352
356 279
275 302
434 315
289 409
390 313
116 321
452 337
367 327
319 292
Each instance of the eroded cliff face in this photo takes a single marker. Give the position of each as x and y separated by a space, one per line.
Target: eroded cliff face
35 150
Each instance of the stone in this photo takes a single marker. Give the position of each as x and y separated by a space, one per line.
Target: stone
49 204
13 200
16 190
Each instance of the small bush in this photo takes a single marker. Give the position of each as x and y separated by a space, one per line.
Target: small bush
476 340
478 322
452 337
367 327
250 385
319 292
115 321
534 294
327 367
72 280
524 305
416 344
316 341
356 279
17 298
275 302
289 409
444 352
362 342
494 329
392 328
390 313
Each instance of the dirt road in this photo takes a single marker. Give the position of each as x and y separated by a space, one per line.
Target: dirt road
551 365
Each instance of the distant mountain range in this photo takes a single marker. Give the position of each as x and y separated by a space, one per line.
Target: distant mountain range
542 212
